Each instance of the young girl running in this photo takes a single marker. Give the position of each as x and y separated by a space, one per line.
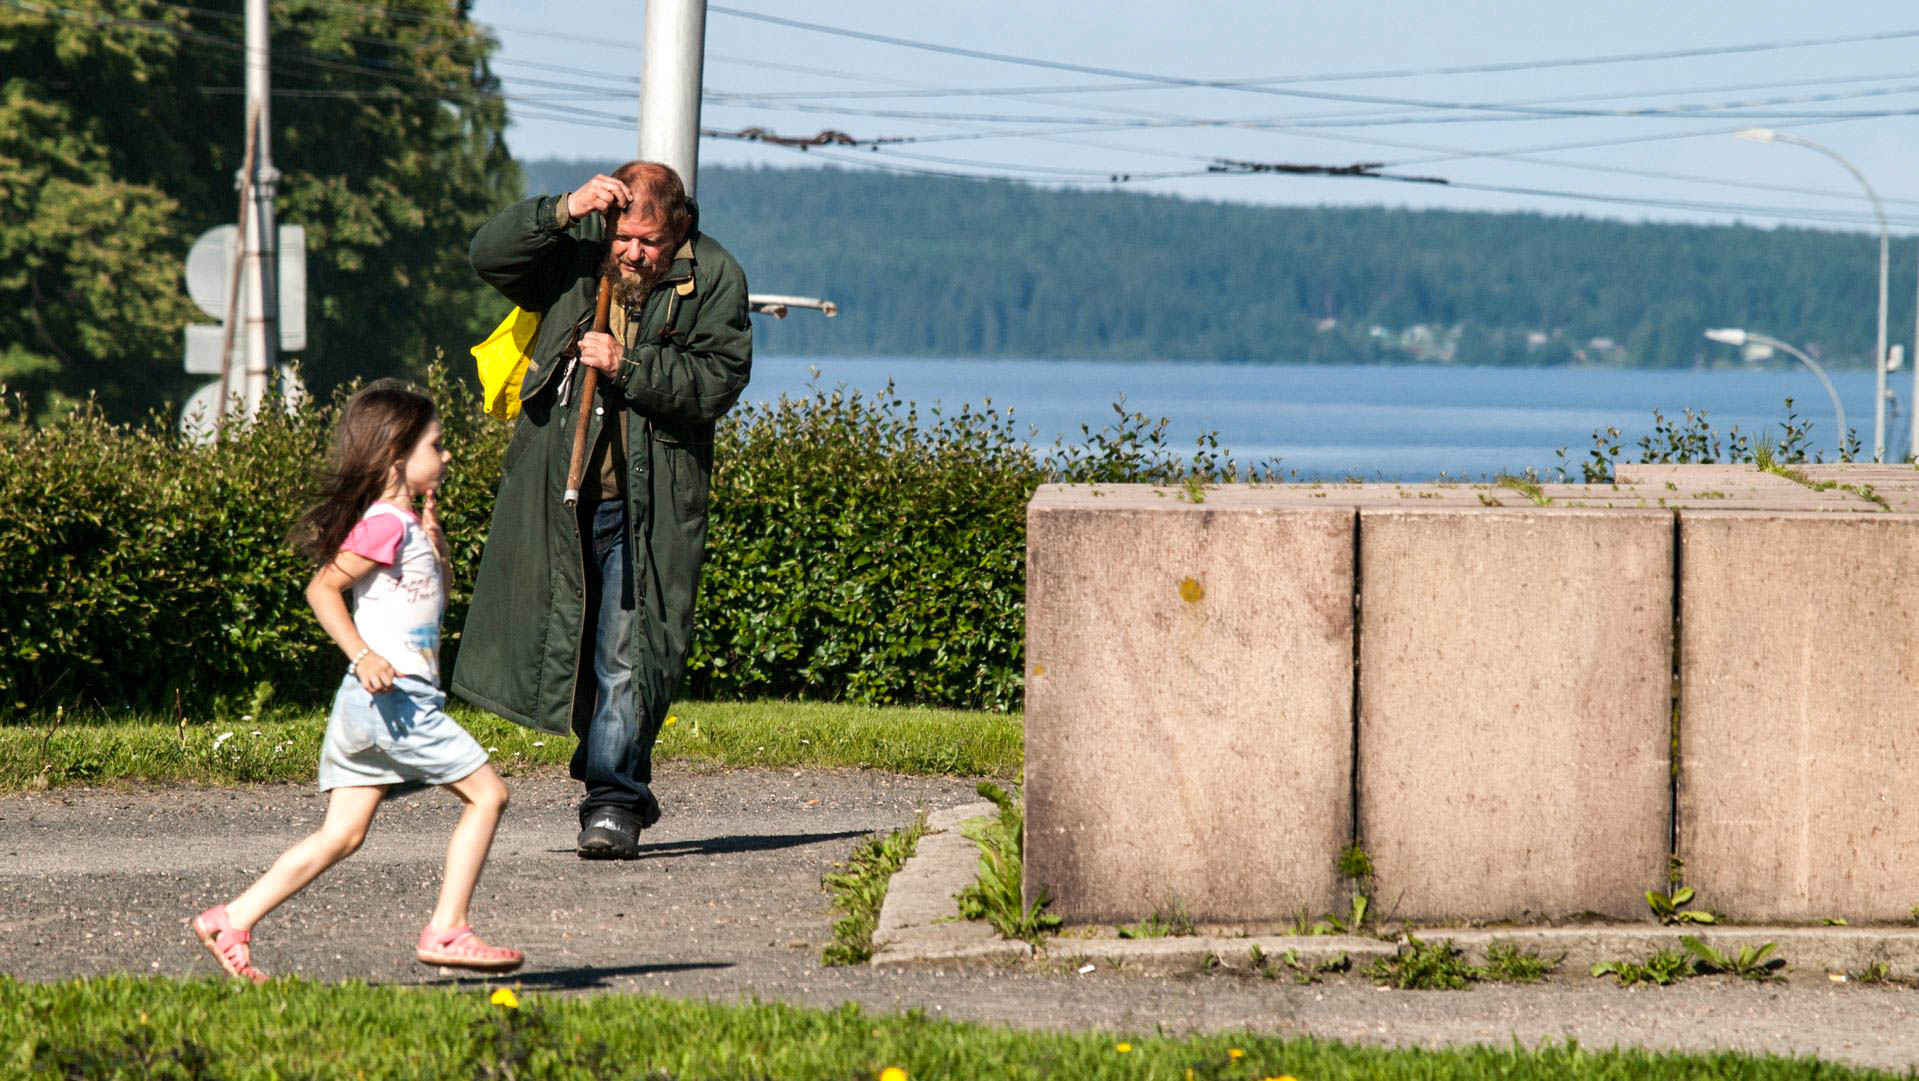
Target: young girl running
388 724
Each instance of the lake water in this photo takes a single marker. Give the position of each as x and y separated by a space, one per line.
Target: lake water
1402 423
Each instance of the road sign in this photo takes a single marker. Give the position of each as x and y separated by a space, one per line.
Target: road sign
210 261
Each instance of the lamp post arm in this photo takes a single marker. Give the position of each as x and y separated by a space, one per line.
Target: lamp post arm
1885 240
1838 410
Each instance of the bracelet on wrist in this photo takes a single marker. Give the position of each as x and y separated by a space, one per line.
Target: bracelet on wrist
353 666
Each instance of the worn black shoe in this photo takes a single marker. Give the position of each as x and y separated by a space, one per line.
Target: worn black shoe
610 834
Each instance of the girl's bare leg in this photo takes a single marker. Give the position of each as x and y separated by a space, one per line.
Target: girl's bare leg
485 797
349 811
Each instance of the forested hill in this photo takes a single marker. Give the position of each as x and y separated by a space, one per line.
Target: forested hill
938 267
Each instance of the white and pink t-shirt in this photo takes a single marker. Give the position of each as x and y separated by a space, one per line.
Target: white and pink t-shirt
397 607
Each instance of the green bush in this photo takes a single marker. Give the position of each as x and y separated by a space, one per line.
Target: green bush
140 571
856 554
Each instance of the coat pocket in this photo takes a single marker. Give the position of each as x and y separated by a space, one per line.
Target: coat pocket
685 451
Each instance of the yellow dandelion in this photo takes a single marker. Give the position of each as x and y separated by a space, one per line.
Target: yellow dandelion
1235 1053
505 997
892 1073
1123 1048
672 720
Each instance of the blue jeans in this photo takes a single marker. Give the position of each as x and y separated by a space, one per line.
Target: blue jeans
609 757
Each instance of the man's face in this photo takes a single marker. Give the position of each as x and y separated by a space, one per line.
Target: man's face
643 248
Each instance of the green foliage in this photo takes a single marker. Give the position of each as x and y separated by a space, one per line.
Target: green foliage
1427 966
926 266
138 571
120 133
995 896
1662 968
1355 863
1506 962
853 555
1750 963
1171 922
861 551
292 1028
1691 440
1874 974
1302 972
1671 908
860 888
227 746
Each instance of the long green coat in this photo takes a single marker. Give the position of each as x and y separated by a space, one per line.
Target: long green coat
689 353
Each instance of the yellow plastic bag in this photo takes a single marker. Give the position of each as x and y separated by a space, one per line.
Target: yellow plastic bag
503 359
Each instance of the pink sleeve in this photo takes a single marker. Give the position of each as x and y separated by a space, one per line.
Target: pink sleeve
376 538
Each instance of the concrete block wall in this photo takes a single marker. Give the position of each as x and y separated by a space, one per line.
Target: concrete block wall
1798 682
1223 694
1189 703
1514 700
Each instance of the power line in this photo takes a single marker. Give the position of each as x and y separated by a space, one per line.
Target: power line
1271 84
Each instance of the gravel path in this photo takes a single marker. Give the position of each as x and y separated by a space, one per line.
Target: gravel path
727 903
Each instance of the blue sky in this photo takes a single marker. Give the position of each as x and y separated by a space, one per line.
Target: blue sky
571 70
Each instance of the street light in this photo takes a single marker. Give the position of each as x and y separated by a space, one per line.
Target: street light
1767 135
1745 339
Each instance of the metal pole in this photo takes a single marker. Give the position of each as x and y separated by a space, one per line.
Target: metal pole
1912 405
1879 353
1838 410
259 235
670 86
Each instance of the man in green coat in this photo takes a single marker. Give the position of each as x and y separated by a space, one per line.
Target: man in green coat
580 619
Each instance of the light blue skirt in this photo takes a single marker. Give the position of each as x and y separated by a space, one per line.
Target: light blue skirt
402 736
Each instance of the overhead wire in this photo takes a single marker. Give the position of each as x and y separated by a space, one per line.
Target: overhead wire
576 115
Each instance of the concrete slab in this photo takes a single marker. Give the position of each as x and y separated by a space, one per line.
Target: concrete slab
1514 710
1874 473
1230 496
1188 703
1194 953
1799 693
1829 949
1659 473
1706 496
918 921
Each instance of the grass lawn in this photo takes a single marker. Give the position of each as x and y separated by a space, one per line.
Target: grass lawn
284 745
131 1027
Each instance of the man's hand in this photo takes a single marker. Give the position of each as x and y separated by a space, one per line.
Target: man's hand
601 351
597 195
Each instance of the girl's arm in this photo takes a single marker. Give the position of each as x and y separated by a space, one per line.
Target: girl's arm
326 595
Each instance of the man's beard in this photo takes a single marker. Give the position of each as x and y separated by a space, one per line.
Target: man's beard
629 288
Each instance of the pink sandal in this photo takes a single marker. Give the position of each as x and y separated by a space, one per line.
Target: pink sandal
461 948
227 943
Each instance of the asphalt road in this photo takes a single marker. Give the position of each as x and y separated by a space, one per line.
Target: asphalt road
727 903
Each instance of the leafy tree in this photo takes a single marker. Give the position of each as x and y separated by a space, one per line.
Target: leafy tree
121 130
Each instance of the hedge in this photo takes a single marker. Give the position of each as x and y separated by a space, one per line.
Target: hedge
859 551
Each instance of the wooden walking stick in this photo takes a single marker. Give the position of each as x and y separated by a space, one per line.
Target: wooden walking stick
589 384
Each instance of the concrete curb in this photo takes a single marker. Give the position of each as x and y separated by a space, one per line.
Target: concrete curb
919 922
919 925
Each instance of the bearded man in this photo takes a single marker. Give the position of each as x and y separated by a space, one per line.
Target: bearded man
581 619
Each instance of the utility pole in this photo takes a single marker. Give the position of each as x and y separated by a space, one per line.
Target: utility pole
675 59
670 85
259 240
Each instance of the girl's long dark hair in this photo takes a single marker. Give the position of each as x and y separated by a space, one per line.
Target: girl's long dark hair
378 426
